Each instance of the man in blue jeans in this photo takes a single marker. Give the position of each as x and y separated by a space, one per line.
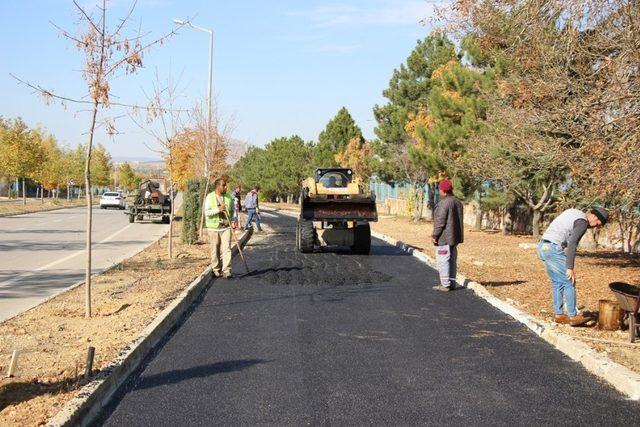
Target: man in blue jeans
253 208
557 249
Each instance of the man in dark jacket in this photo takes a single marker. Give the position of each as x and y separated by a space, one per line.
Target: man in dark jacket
448 232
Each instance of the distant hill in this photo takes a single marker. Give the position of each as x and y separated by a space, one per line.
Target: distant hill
144 166
123 159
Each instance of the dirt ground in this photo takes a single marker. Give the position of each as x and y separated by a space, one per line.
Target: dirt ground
8 207
514 274
52 339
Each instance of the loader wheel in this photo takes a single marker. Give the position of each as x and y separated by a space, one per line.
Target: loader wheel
132 218
306 236
166 219
362 239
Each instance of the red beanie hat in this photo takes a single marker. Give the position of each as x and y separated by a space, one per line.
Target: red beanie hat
446 185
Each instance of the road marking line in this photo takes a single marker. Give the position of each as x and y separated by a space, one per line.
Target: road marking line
61 260
268 214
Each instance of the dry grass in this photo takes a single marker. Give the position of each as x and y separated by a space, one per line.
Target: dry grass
53 338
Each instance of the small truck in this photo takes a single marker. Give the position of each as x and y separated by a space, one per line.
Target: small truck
335 210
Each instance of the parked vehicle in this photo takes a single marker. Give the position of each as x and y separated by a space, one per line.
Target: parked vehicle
112 200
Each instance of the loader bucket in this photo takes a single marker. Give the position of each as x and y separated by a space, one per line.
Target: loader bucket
332 209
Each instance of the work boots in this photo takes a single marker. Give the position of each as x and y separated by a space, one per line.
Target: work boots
578 320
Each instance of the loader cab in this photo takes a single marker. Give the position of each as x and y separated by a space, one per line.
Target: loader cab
334 178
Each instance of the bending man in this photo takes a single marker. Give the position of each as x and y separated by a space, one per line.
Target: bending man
564 233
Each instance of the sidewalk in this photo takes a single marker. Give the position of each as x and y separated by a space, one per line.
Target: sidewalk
509 268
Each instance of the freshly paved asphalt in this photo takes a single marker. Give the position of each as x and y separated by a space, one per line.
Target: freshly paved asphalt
337 339
43 253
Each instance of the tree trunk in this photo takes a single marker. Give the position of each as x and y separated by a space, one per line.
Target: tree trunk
479 213
431 201
42 194
610 315
535 223
204 199
24 193
419 202
172 207
507 221
87 183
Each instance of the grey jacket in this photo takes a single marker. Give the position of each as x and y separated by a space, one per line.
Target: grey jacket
448 226
251 200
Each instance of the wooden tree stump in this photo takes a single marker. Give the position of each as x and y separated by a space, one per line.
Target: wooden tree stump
610 315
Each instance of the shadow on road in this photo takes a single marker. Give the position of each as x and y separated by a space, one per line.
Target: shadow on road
271 270
179 375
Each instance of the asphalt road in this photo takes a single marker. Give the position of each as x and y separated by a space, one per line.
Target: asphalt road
338 339
43 253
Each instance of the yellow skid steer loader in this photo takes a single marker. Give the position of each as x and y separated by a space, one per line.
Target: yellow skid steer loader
335 211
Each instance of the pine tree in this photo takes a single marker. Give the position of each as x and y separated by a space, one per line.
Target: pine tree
409 88
456 110
287 161
335 138
408 95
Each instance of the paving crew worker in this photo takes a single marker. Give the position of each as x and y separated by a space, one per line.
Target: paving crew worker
217 207
237 204
448 233
253 208
557 250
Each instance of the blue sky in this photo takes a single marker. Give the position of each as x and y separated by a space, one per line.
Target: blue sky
280 67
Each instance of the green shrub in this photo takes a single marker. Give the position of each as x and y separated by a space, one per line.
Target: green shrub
192 206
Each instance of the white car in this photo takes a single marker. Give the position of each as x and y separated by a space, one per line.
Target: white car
112 200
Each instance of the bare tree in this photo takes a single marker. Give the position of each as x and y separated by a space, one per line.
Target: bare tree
212 141
108 53
162 108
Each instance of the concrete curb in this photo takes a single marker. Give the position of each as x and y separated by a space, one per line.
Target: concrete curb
93 397
621 378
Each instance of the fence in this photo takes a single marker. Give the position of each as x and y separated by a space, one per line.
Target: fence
396 190
396 199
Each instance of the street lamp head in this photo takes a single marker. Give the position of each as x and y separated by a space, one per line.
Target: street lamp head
178 21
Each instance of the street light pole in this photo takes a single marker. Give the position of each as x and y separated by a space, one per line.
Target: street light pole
207 148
